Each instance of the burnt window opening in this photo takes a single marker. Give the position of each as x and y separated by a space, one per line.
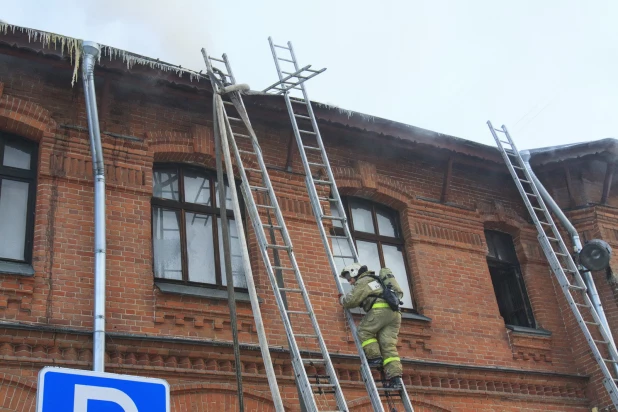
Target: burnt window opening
377 234
186 228
507 280
18 161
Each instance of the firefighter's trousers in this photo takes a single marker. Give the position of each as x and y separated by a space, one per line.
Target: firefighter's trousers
378 334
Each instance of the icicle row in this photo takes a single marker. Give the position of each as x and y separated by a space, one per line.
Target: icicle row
348 113
74 50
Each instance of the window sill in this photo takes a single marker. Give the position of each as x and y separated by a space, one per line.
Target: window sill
528 331
404 315
201 292
14 268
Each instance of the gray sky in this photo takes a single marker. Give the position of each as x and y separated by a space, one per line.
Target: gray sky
547 69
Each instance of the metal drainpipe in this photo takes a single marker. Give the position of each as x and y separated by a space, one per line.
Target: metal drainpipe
553 206
91 52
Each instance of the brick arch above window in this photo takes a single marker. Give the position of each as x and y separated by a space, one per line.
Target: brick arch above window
25 118
364 181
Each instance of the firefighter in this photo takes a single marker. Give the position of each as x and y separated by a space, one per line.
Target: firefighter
379 328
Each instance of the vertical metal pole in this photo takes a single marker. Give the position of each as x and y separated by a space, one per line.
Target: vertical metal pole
227 256
577 244
91 52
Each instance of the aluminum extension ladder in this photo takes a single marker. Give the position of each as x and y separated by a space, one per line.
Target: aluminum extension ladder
320 390
561 262
323 192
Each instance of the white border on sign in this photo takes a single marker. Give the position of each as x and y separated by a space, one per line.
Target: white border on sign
67 371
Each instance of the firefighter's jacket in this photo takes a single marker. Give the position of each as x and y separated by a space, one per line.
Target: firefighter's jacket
366 291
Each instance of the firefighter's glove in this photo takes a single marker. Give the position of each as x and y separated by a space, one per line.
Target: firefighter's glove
341 299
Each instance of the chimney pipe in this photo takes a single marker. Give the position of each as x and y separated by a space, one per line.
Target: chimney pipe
90 54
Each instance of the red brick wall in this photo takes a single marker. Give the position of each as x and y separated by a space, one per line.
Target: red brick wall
464 359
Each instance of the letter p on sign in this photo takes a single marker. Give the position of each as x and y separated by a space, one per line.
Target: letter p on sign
71 390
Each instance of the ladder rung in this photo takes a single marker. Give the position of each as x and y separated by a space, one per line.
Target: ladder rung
265 206
604 342
236 119
582 305
336 237
297 101
591 323
291 290
322 385
306 131
302 116
281 47
332 217
275 227
504 141
246 151
517 167
388 389
228 103
305 335
314 361
524 180
610 361
343 256
538 208
568 270
530 194
258 188
327 199
553 239
253 170
316 164
322 182
499 130
281 268
279 247
575 287
311 148
217 60
285 60
545 223
297 312
560 254
242 135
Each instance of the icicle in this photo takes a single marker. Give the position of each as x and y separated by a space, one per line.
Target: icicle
74 46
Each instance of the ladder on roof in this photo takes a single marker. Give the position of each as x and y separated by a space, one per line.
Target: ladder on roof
562 264
319 387
324 196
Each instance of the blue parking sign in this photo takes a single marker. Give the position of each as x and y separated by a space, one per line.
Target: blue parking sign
72 390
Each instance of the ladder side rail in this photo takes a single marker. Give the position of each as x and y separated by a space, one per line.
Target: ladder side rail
237 100
229 68
302 378
550 253
247 262
318 213
528 204
329 171
608 381
255 305
563 247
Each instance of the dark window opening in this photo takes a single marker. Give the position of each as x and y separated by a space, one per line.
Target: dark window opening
186 228
507 280
377 234
18 160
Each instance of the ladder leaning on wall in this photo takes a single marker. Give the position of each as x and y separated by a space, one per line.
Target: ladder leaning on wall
317 384
324 195
562 264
